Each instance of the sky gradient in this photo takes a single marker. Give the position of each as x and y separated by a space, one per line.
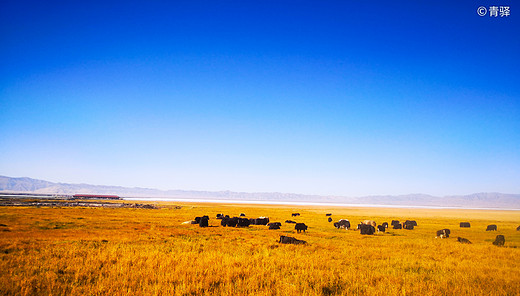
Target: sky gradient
316 97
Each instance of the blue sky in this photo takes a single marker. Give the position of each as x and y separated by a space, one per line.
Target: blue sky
318 97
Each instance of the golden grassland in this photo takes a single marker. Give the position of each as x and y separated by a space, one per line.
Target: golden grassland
124 251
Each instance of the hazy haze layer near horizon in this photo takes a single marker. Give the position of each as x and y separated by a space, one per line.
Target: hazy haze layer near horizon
483 200
337 98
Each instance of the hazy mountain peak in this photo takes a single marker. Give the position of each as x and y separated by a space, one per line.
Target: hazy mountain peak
475 200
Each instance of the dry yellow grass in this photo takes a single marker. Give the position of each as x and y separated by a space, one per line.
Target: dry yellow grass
96 251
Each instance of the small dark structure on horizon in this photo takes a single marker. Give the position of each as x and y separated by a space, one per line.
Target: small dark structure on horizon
95 196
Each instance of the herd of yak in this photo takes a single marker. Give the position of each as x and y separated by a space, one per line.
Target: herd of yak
499 240
367 227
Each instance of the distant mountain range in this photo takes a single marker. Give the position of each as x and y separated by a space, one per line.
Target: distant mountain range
476 200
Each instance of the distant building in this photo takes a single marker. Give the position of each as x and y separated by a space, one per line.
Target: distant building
95 196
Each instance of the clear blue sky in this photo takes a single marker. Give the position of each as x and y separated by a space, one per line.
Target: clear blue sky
318 97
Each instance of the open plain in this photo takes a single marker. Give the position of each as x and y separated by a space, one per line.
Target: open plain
141 251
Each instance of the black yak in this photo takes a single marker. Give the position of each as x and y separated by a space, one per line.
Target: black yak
300 226
290 240
491 227
499 240
343 223
366 229
463 240
203 222
408 225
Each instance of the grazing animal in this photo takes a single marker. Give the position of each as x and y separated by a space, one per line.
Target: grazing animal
328 214
443 233
370 222
264 220
463 240
204 221
295 214
242 215
343 223
243 222
381 228
224 221
261 221
290 221
330 219
518 228
408 225
465 225
366 229
491 227
385 224
252 221
220 216
274 226
198 219
413 222
397 226
275 223
394 222
300 226
290 240
232 222
499 240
